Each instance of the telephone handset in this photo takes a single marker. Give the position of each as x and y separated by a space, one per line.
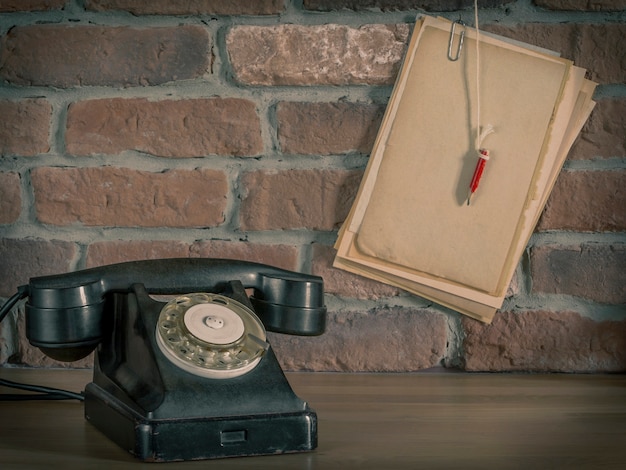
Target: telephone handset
64 313
200 363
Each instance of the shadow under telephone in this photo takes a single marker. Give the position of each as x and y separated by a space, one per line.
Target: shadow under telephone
192 378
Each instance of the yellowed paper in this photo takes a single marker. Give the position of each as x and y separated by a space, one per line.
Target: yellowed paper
410 225
417 215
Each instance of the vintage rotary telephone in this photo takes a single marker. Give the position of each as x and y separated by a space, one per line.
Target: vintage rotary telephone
192 378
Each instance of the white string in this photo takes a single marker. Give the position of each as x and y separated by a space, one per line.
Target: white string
486 131
479 136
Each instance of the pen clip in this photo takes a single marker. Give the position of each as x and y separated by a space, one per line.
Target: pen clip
451 40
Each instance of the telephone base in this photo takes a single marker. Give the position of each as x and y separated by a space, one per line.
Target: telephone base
166 440
159 412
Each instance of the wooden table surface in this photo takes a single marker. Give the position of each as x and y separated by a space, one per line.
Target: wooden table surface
382 421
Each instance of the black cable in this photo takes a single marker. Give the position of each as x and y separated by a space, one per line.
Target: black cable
42 393
21 293
29 397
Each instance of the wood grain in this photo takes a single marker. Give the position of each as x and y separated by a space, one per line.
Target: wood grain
423 420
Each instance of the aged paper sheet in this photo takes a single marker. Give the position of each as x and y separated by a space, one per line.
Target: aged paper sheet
410 224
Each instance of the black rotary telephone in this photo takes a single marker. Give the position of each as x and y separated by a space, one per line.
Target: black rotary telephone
189 378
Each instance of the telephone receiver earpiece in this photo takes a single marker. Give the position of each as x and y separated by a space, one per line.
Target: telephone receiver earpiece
66 313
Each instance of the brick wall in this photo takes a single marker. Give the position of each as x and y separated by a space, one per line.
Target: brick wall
134 130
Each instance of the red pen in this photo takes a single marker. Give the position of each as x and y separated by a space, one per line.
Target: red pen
478 172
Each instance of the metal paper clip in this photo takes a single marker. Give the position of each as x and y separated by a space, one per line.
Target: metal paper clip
451 41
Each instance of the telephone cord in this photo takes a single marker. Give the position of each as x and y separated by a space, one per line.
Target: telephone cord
43 393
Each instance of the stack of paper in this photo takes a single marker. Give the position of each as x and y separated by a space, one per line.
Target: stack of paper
410 225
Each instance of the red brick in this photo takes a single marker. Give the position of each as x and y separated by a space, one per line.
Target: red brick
591 201
120 251
292 199
603 135
9 343
26 258
541 341
121 197
166 128
394 5
24 127
582 5
381 340
343 283
327 128
31 5
316 55
190 7
592 271
281 256
69 56
10 197
599 48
